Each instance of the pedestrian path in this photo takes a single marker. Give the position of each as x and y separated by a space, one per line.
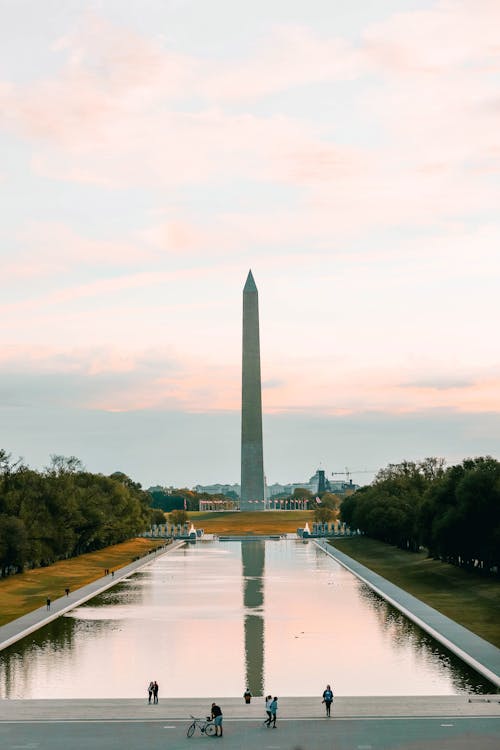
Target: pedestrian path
22 626
481 655
291 708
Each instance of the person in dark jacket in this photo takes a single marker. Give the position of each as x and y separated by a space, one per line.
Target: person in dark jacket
328 699
216 714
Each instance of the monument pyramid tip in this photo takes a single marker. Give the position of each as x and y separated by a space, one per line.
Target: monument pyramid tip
250 285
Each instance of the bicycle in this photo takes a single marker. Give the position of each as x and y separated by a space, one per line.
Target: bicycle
206 726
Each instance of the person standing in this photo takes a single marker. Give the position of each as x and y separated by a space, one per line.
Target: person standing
328 699
155 692
150 691
274 710
269 700
247 695
217 719
48 603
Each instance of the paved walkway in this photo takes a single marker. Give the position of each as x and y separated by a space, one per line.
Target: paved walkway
444 723
234 708
481 655
22 626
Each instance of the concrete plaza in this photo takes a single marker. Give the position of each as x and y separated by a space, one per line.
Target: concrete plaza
450 722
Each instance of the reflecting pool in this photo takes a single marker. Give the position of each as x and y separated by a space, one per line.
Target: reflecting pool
213 618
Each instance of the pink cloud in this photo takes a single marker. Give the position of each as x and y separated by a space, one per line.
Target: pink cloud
451 34
291 56
163 379
120 95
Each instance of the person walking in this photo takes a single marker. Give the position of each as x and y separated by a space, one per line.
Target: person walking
247 695
48 603
155 692
328 699
274 710
150 691
269 700
216 715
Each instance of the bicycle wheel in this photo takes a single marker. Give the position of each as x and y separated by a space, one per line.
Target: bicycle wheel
191 729
210 730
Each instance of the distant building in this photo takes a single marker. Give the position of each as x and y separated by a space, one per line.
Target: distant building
317 484
219 489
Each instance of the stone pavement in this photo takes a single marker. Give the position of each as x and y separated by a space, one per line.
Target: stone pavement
307 708
481 655
17 629
444 723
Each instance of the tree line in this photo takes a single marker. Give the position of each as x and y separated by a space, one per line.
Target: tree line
453 512
64 511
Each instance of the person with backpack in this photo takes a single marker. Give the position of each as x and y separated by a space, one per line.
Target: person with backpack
328 699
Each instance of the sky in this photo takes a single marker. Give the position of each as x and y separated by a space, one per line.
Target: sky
152 152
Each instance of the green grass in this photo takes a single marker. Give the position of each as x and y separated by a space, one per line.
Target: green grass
469 599
258 523
24 592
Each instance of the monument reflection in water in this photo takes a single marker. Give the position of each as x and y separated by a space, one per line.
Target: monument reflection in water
213 618
253 556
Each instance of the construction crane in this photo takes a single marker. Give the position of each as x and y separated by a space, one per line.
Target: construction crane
348 473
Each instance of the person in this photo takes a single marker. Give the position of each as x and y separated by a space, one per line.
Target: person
217 719
67 591
328 698
155 692
269 700
247 696
274 708
150 691
48 603
112 574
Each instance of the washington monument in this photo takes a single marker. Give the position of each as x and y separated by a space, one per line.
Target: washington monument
252 465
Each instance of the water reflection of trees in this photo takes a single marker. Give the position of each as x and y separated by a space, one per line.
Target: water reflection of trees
253 559
127 592
404 633
21 662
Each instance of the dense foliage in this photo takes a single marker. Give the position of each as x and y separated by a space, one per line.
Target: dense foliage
453 512
182 499
63 511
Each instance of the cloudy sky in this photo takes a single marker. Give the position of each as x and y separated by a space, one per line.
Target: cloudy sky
153 151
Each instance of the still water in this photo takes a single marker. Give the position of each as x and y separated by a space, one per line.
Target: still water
213 618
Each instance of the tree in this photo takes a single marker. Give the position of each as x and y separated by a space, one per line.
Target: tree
329 500
13 544
157 517
389 508
460 515
178 517
301 492
323 514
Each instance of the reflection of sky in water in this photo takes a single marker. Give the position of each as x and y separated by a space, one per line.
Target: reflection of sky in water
208 619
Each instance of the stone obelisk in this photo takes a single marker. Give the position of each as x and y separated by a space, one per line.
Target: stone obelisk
252 464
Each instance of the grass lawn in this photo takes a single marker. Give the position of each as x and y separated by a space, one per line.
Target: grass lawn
24 592
260 522
467 598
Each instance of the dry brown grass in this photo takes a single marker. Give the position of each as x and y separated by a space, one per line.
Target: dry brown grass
22 593
258 523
